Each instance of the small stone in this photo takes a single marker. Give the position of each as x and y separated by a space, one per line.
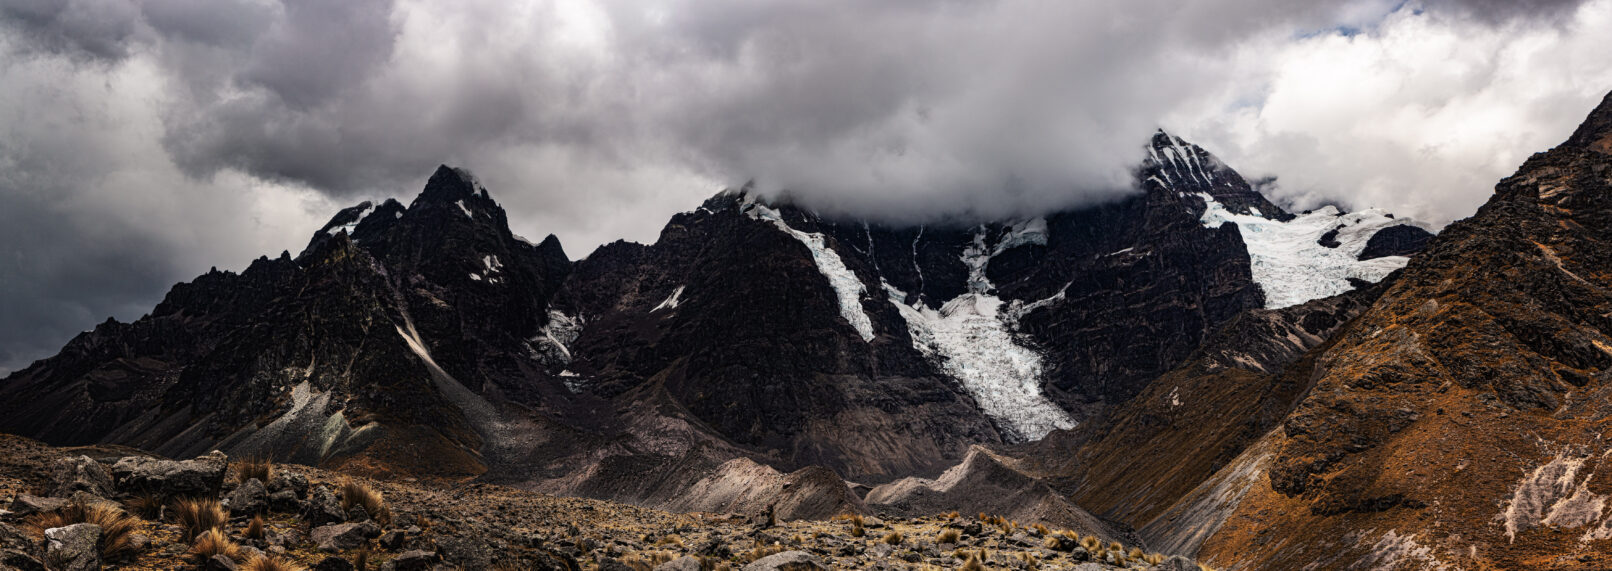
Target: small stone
333 563
220 563
322 508
416 560
684 563
344 536
248 498
392 540
284 501
786 561
357 513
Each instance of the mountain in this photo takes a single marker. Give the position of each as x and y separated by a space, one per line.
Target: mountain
754 344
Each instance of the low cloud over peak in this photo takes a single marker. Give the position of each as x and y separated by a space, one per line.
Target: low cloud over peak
194 133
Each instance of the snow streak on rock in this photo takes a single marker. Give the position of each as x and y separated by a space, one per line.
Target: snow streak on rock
552 345
348 227
671 301
971 338
1289 262
1556 494
845 283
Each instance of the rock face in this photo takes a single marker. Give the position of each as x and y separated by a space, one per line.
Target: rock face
344 536
1455 423
741 486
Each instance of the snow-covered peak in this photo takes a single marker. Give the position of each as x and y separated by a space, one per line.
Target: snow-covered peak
347 220
1311 256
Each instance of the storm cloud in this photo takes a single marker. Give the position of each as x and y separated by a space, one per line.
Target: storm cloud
144 141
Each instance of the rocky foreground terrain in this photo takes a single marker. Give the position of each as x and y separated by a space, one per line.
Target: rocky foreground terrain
301 523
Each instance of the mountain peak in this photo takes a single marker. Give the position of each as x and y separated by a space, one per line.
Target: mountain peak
1178 168
451 184
1595 133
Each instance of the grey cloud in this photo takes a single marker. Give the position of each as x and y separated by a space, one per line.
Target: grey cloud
95 29
208 132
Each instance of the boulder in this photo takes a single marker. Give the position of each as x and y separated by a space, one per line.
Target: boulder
200 476
786 561
248 498
322 507
684 563
412 561
19 560
26 505
13 538
81 474
220 563
344 536
73 548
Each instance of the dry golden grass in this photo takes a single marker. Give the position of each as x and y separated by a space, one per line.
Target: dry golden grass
893 538
1091 543
213 542
856 526
250 468
361 558
116 526
670 540
254 528
357 493
146 505
1042 530
271 563
197 516
1154 558
948 536
972 565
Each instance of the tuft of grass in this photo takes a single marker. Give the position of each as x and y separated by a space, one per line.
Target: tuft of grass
948 536
1091 543
1116 546
670 540
146 505
758 552
856 526
250 468
972 565
361 558
212 543
1154 558
116 526
1135 553
271 563
894 538
356 493
197 516
1042 530
254 528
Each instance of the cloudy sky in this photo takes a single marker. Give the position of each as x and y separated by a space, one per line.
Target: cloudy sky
144 141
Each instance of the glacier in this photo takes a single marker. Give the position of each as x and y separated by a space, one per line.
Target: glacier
1290 264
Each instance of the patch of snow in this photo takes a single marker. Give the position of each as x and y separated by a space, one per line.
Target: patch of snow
1290 264
1017 309
1175 397
671 301
846 285
971 338
398 214
461 204
552 345
492 264
1393 550
350 226
476 277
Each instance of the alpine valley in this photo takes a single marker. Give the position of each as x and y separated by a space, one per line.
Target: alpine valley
1188 376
